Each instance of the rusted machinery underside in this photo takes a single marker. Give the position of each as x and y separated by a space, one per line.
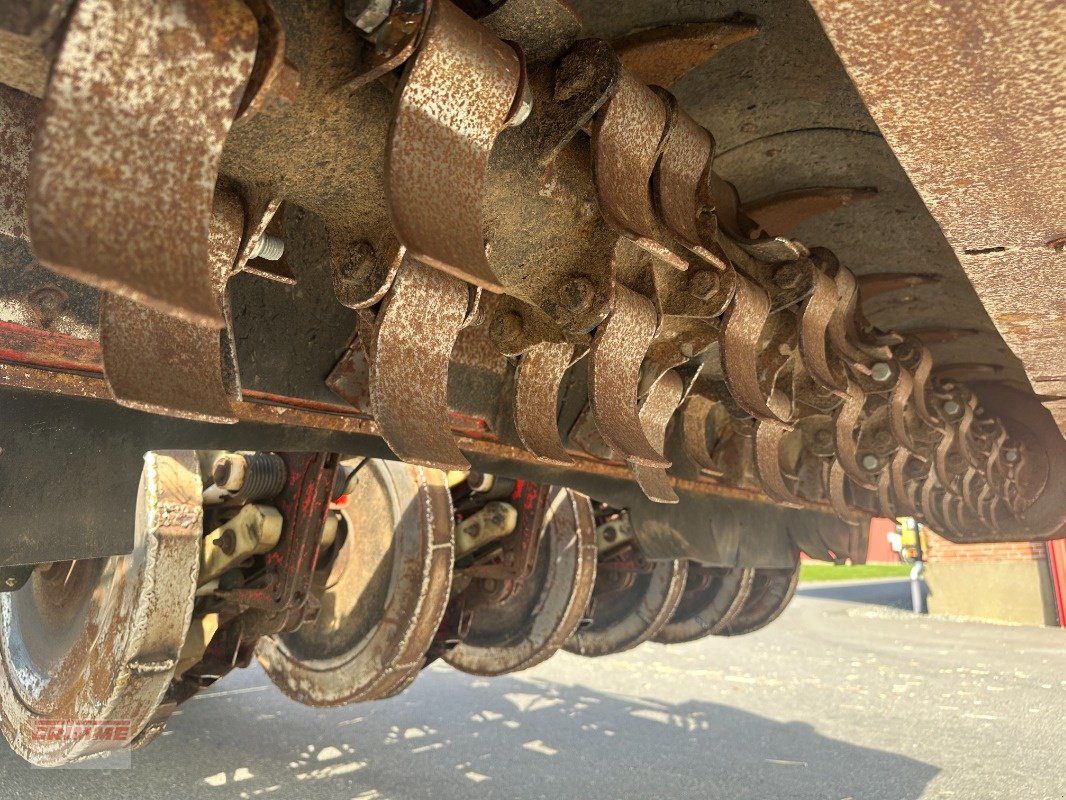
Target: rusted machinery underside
473 238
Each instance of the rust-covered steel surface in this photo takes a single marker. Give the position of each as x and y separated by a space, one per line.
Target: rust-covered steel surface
609 226
645 277
139 101
456 96
971 98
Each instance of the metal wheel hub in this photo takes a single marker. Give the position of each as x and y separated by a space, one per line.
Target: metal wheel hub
535 620
771 591
628 606
382 596
93 643
711 598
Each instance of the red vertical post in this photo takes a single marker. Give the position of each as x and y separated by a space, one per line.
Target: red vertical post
1056 557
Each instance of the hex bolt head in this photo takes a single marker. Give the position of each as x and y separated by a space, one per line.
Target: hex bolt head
870 462
952 408
703 284
507 328
1010 455
788 276
881 372
577 294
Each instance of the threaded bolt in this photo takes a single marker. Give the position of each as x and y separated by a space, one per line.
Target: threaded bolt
268 247
250 477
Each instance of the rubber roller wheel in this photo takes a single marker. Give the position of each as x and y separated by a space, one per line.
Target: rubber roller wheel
383 597
535 621
628 608
95 642
711 598
771 591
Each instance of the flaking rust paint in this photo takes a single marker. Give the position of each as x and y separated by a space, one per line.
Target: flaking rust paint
972 98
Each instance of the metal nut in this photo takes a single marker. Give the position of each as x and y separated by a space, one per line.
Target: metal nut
577 294
703 284
788 276
881 372
507 328
367 15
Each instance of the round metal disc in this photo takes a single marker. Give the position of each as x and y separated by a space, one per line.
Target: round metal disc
771 591
712 596
534 622
383 598
628 608
95 642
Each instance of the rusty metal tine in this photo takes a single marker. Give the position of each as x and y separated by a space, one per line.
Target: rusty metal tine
655 413
163 364
129 211
817 313
168 365
18 120
742 328
899 404
540 374
417 326
627 138
618 350
454 100
694 417
898 480
768 437
836 487
846 421
685 155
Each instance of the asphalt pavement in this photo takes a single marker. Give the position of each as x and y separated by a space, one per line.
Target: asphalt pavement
847 695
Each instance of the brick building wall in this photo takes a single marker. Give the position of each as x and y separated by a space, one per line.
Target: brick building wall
1007 581
941 550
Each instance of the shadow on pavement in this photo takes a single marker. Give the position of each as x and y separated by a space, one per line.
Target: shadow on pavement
452 735
891 593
